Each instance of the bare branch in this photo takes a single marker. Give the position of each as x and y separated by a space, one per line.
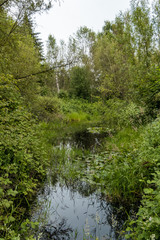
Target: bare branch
44 71
15 25
1 4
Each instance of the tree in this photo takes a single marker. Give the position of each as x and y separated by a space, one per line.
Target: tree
80 82
22 7
83 41
18 9
28 28
143 32
81 47
52 57
112 66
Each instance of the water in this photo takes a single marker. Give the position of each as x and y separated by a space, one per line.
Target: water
71 215
74 210
84 139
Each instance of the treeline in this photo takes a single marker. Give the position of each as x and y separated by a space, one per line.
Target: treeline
116 72
121 61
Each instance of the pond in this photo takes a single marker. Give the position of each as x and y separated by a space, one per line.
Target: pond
73 209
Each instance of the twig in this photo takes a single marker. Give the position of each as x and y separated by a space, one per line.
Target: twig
3 3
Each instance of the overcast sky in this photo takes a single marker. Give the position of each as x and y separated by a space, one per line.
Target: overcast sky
64 20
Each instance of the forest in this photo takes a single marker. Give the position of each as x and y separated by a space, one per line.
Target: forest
104 81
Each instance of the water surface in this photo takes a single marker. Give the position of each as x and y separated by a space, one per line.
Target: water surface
74 209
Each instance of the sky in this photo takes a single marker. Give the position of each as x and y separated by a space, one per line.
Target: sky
65 19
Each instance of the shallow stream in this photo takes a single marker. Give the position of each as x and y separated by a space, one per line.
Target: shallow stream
72 210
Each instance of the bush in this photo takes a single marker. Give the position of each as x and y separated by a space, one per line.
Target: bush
63 94
80 83
45 108
119 114
149 91
23 159
148 221
147 224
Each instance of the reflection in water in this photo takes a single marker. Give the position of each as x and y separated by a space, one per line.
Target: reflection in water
56 231
88 140
66 214
74 210
84 140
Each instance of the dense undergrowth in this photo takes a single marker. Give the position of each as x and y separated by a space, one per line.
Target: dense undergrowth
23 161
127 168
109 82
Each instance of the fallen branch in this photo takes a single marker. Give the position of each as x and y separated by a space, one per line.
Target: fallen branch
44 71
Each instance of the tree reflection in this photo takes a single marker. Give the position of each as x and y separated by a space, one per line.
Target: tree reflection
68 202
59 232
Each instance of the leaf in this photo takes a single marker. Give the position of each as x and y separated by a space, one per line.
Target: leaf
11 219
148 190
12 192
6 203
34 224
1 192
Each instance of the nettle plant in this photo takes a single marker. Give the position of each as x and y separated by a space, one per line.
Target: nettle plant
147 223
148 220
23 160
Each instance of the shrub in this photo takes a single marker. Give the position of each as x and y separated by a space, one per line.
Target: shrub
63 94
80 82
46 107
147 224
23 159
119 114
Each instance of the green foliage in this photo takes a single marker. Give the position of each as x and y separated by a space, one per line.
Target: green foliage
52 50
148 222
80 84
127 139
119 114
77 116
149 90
118 174
45 107
143 32
18 49
81 110
63 94
118 70
114 78
23 159
128 165
117 170
146 225
29 7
